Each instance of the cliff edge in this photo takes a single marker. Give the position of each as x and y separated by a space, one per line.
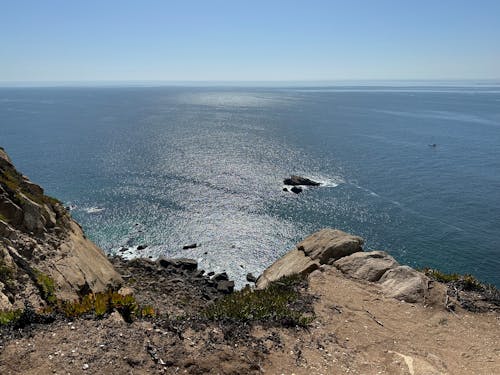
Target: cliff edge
44 254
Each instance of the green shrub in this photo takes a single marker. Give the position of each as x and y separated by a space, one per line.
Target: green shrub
273 304
47 287
468 281
9 316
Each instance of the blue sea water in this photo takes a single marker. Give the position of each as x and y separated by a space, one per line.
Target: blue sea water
170 166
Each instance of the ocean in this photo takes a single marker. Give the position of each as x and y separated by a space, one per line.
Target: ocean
170 166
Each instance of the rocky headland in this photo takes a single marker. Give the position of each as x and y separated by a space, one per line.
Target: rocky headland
326 307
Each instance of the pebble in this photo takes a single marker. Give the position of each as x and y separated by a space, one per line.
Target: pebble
85 366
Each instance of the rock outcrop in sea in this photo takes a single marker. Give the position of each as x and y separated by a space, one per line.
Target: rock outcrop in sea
294 180
44 254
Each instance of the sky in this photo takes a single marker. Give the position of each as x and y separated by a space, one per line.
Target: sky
243 40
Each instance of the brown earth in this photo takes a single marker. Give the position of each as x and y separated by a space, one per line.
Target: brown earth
357 330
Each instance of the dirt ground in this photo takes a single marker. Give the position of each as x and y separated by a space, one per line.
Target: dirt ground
356 331
359 331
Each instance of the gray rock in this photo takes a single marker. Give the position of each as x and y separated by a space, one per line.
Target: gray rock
11 211
182 263
328 245
220 276
298 180
191 246
405 284
33 218
366 265
251 278
225 286
296 189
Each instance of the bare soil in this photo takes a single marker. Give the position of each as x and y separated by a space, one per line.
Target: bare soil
356 331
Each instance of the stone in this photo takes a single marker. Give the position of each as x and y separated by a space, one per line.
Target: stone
294 262
220 276
405 284
251 278
116 317
125 291
328 245
368 266
225 286
142 247
33 219
296 189
10 211
182 263
191 246
298 180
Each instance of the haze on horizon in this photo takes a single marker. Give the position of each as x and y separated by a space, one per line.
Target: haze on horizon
217 40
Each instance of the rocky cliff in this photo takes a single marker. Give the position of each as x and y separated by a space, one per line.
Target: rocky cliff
44 254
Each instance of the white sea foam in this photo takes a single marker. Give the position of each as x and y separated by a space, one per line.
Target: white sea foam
93 210
327 181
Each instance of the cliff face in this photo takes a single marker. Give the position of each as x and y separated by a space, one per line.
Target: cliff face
44 254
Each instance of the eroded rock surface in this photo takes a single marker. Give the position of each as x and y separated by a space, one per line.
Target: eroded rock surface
368 266
328 245
322 247
43 251
405 283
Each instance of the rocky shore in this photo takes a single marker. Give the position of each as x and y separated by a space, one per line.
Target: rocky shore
326 307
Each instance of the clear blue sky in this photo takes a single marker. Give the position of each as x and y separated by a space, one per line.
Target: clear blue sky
87 40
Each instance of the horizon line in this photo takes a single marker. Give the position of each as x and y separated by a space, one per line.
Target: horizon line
255 83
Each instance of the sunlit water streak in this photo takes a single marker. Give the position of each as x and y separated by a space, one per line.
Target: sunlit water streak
166 167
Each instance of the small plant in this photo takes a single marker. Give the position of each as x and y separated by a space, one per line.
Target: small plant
47 287
6 272
9 316
147 312
275 304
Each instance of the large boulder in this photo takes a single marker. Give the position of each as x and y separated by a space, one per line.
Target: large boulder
328 245
368 266
9 211
323 247
80 267
405 284
294 262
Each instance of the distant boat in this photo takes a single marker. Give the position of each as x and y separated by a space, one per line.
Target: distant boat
432 145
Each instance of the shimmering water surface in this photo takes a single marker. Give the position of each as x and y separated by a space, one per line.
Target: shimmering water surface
169 166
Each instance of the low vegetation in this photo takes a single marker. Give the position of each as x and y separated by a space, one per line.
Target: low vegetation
91 305
277 303
7 317
471 294
100 304
46 286
468 282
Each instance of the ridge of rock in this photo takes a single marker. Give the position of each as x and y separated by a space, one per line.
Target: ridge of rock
43 251
335 248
